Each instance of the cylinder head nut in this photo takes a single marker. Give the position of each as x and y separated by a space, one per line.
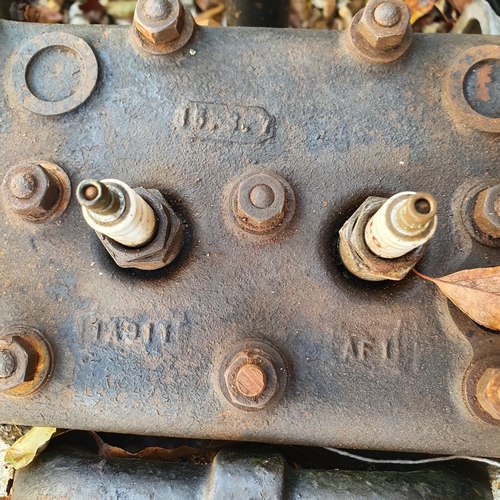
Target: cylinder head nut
159 20
487 211
262 202
15 361
162 26
488 392
252 375
381 32
32 191
25 360
384 24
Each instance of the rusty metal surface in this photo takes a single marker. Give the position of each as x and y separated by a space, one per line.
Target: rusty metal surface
378 366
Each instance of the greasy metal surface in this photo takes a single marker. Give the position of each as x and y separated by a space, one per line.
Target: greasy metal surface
234 475
370 366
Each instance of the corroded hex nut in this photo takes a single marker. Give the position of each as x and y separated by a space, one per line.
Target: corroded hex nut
261 202
159 20
358 258
32 360
162 249
20 363
487 392
487 211
392 28
36 192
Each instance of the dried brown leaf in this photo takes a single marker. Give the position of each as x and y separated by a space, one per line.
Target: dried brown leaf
209 15
208 4
39 14
474 291
150 453
419 8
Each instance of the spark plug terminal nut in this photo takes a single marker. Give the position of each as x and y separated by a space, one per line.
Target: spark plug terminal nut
385 238
137 227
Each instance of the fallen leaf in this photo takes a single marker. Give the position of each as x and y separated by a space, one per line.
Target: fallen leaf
39 14
208 4
419 8
476 292
151 453
208 15
27 447
121 9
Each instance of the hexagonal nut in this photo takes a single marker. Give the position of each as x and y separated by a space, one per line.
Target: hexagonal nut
260 202
265 363
487 211
359 259
488 392
31 191
21 364
159 20
162 249
384 37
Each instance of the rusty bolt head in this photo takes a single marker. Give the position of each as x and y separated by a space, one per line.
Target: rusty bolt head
487 211
15 361
488 392
159 20
250 380
387 14
383 24
7 364
261 202
254 376
31 191
358 258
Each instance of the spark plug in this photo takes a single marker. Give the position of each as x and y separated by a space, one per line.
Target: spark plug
114 209
404 222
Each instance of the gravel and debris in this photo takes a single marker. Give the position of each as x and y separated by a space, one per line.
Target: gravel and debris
9 434
427 16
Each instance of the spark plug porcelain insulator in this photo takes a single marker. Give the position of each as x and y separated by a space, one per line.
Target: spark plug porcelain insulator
404 222
114 209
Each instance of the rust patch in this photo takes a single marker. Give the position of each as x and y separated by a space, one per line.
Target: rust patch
483 78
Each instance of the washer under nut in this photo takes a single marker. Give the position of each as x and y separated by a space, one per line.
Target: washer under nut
25 360
252 375
37 191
